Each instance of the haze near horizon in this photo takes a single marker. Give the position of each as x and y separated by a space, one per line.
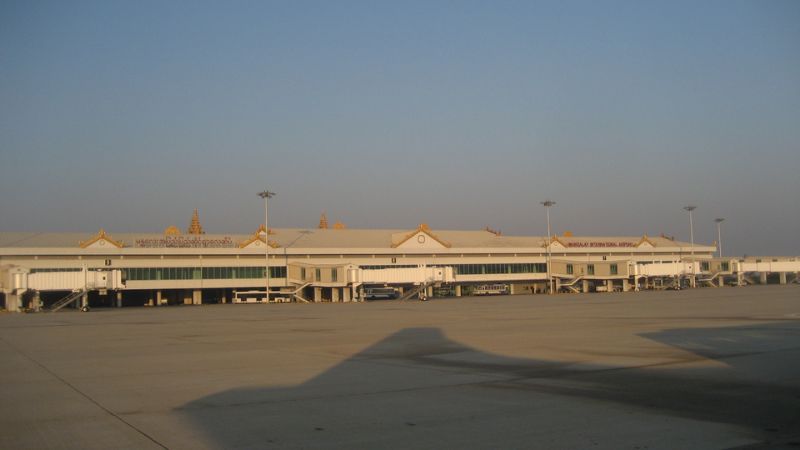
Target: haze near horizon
128 115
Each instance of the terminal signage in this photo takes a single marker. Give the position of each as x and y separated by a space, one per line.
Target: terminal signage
600 244
186 242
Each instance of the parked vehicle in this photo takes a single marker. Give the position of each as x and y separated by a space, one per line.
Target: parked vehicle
375 293
490 289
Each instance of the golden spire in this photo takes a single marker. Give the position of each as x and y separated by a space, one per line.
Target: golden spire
323 221
195 227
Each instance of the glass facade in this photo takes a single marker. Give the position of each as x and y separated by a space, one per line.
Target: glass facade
613 269
69 269
483 269
200 273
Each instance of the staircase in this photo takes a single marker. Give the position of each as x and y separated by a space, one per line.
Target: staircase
75 295
710 280
569 286
407 295
296 294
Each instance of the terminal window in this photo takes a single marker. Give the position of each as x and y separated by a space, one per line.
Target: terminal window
614 270
590 269
570 269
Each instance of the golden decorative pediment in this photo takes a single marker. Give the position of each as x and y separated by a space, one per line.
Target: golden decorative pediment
424 229
101 239
645 240
257 237
554 240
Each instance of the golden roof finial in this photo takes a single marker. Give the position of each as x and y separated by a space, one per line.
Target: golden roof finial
494 232
172 230
195 227
323 221
261 229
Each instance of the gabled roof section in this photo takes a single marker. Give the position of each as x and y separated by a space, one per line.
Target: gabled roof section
101 240
422 237
645 242
257 241
555 242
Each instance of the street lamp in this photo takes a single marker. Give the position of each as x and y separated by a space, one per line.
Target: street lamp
719 221
691 208
547 204
266 195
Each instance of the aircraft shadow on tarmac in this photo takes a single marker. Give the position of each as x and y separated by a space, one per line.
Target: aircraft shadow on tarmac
755 387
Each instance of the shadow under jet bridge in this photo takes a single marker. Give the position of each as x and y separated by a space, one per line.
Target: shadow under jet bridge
419 389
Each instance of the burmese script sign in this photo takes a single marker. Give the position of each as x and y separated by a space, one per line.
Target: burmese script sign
186 242
600 244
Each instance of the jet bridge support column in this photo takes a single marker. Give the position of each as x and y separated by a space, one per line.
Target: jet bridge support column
12 302
762 278
782 277
36 301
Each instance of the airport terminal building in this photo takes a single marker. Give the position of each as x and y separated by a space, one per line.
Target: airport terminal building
336 264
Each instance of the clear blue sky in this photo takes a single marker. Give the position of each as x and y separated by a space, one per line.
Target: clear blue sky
127 115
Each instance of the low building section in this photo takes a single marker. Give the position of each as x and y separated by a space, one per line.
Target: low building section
54 270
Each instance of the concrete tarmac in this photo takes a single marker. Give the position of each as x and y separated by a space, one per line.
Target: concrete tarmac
703 369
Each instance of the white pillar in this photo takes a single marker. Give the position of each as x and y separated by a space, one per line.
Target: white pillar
197 297
36 302
158 297
119 299
346 294
317 294
610 285
783 277
762 278
458 290
12 302
625 285
335 295
585 286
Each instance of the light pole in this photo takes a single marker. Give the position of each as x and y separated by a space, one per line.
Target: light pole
719 221
547 204
691 208
266 195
